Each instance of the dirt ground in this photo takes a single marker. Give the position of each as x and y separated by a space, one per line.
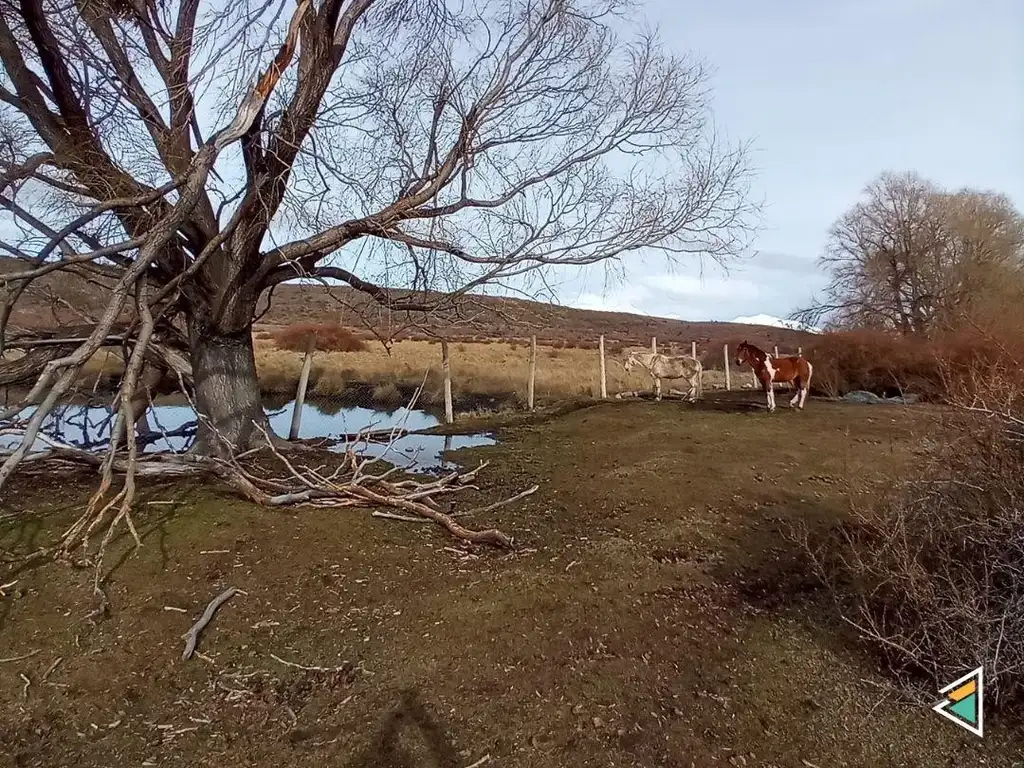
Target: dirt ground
657 615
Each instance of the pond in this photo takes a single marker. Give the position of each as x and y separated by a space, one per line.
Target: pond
173 428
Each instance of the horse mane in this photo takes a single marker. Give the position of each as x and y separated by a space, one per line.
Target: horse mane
754 348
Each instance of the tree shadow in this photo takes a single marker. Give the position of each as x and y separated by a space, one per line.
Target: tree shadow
123 540
21 535
386 749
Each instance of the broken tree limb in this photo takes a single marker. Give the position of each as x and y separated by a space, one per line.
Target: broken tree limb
192 636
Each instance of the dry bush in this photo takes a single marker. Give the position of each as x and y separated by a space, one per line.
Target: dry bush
387 393
879 362
329 338
933 575
888 363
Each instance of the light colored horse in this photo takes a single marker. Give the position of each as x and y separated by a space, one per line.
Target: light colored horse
664 367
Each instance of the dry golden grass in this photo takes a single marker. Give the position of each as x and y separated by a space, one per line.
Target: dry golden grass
495 369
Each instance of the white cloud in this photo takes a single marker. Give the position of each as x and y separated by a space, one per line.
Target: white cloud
680 297
688 286
771 320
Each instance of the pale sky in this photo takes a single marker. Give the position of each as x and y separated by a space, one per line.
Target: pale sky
833 92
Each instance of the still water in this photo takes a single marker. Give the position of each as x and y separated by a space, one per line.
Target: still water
174 428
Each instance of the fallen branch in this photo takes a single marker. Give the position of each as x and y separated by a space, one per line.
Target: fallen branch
19 658
192 636
401 518
503 503
344 668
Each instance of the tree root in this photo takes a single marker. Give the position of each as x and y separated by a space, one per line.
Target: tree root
351 485
348 484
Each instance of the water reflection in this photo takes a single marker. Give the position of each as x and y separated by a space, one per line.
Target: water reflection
172 427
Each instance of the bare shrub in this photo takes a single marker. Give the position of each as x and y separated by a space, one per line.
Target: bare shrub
953 364
387 393
876 361
932 576
329 338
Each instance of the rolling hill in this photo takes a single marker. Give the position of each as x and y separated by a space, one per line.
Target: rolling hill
60 299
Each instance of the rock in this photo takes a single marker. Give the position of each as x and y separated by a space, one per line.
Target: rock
870 398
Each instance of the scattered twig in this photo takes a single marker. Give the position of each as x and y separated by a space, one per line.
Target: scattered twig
504 502
20 658
396 516
52 668
192 636
482 761
343 668
24 690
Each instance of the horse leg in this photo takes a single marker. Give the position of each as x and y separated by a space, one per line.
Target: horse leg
769 390
657 389
692 394
798 386
807 386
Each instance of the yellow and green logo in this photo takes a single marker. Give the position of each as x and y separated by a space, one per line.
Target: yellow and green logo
963 702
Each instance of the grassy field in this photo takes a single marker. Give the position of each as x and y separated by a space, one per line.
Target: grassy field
657 615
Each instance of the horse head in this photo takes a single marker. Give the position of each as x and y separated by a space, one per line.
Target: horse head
746 353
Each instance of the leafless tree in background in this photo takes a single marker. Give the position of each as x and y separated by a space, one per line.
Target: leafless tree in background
917 259
425 145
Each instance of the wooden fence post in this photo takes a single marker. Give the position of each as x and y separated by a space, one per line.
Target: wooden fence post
799 351
693 349
654 344
776 351
728 378
300 393
604 376
533 373
446 369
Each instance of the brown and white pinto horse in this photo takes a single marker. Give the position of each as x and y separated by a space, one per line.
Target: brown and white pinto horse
795 370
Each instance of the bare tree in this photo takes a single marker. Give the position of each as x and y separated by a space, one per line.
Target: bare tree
415 150
914 258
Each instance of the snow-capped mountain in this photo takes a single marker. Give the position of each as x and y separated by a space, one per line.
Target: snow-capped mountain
775 322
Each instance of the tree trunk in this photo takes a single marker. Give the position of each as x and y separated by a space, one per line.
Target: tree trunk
227 391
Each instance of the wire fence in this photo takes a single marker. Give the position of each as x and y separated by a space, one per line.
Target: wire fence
332 384
450 379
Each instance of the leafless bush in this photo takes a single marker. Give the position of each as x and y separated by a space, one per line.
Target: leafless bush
933 575
329 338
